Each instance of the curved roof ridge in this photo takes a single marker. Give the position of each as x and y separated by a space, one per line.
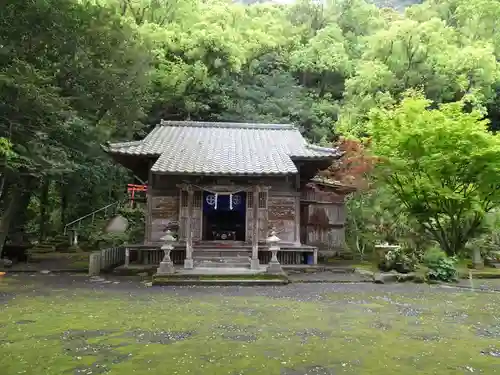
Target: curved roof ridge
234 125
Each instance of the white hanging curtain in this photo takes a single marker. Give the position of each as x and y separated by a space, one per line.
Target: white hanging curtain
216 195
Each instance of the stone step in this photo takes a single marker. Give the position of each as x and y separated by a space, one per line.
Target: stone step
239 282
212 276
223 259
208 264
220 254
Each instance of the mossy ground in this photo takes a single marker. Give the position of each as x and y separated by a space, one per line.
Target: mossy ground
55 261
321 330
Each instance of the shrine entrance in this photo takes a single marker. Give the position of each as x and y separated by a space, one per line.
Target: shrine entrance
224 216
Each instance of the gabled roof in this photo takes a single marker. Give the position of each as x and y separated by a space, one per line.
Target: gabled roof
221 148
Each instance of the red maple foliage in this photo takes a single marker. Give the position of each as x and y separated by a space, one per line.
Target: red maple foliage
355 165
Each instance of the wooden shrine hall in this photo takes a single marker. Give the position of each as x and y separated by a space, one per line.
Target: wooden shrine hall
221 187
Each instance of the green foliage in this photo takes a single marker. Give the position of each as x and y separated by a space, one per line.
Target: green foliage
136 224
373 217
100 70
401 259
488 241
440 266
442 165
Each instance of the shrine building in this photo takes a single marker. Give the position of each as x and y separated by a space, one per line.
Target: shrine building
223 186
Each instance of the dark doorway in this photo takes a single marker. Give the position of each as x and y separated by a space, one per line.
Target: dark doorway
223 220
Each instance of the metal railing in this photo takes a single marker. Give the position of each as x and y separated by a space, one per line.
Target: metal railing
91 215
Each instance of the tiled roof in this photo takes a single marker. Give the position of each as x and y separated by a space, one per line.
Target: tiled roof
187 147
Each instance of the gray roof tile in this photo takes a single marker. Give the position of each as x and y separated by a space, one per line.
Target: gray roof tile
223 148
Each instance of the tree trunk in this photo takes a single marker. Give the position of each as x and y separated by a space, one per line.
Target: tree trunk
12 198
64 204
20 217
44 202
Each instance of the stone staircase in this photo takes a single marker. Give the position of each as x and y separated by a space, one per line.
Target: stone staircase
57 243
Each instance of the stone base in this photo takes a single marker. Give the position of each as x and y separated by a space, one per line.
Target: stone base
478 265
193 277
189 264
254 264
166 268
274 268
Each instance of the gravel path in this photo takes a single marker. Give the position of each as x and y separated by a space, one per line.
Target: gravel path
43 284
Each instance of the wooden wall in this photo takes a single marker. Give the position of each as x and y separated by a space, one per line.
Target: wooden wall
282 215
277 207
324 225
323 219
164 211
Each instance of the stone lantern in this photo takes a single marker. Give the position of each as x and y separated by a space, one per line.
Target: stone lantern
273 242
166 265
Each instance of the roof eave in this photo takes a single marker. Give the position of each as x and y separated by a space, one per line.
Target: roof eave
222 174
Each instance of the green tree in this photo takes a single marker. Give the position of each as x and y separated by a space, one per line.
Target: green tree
71 76
441 164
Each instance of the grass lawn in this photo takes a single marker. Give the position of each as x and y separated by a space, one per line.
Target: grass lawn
290 330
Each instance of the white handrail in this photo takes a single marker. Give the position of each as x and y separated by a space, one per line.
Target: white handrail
90 214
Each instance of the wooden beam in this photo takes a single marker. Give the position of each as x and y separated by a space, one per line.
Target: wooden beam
188 262
297 207
255 228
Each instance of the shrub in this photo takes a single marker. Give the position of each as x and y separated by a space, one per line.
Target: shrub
441 267
401 259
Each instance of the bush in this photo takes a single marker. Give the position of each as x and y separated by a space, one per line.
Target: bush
401 260
101 240
441 267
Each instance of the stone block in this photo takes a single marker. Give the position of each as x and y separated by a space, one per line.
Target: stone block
166 268
189 263
118 224
274 268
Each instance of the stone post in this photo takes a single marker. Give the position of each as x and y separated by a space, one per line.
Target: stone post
166 265
254 263
477 259
188 262
95 264
75 238
273 242
127 257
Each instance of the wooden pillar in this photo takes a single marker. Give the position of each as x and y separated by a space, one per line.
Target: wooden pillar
188 262
254 264
149 206
297 208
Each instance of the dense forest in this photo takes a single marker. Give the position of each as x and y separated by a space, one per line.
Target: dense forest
76 74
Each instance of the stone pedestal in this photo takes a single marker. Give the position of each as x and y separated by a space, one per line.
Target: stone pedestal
166 268
274 265
254 264
188 264
166 265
